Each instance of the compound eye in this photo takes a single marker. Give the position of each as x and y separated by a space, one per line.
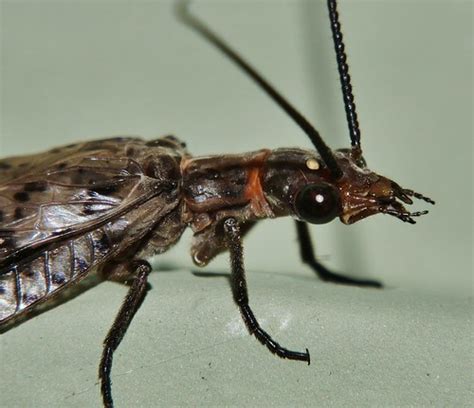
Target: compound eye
318 203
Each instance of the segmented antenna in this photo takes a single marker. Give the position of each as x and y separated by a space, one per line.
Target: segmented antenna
185 16
345 78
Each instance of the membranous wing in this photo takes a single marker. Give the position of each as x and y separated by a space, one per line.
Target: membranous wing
64 211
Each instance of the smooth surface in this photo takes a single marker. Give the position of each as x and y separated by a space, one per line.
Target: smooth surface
187 347
75 70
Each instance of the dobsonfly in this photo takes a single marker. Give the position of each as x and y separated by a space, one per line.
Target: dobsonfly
107 205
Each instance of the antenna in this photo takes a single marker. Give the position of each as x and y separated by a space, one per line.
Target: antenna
345 78
182 12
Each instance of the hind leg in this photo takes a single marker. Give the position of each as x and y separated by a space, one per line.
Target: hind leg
308 257
132 302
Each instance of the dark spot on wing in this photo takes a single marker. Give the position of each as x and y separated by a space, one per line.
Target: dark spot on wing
62 165
29 297
58 278
93 194
87 210
5 166
18 214
130 152
29 273
21 196
35 186
106 189
82 264
1 215
2 289
103 244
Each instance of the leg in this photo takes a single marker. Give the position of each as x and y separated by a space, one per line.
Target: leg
129 307
239 291
122 273
307 255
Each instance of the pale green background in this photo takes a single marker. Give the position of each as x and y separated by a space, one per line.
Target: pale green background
76 70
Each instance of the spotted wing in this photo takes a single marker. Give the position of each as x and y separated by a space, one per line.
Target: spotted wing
46 197
70 208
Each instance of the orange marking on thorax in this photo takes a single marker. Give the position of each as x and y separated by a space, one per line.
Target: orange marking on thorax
254 192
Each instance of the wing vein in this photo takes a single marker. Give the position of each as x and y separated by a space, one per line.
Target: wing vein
18 291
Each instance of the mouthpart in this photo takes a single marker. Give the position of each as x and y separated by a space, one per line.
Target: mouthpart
385 197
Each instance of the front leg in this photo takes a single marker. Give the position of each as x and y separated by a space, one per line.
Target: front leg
307 256
239 292
130 305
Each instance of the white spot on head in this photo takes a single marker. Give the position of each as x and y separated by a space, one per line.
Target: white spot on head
312 164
